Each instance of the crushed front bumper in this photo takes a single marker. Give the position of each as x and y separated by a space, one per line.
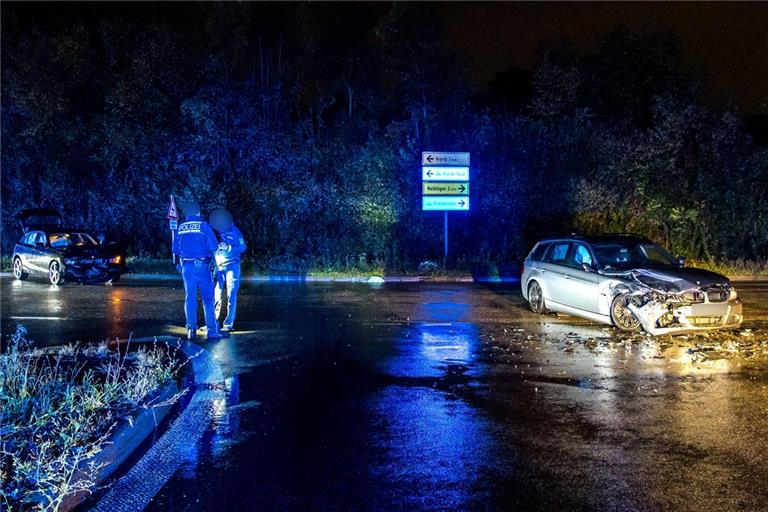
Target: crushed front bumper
91 273
659 318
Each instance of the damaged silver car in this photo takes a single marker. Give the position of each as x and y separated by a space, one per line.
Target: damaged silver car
629 282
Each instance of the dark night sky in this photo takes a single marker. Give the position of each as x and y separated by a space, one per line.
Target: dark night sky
728 40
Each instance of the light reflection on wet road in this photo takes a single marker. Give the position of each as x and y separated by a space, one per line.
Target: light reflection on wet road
447 397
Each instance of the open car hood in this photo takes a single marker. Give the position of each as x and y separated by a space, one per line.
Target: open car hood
39 218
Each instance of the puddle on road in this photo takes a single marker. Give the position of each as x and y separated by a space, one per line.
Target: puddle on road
432 397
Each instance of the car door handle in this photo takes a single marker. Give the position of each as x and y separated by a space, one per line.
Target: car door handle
567 276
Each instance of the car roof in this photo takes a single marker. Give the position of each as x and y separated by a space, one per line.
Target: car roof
610 238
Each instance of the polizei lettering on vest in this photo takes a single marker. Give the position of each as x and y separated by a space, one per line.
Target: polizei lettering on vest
190 227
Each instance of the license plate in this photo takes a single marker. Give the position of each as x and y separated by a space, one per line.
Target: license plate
709 310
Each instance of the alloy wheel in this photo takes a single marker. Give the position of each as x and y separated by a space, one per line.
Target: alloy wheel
621 315
535 297
54 273
18 271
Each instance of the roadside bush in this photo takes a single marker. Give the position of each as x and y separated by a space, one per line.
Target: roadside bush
317 150
739 267
427 267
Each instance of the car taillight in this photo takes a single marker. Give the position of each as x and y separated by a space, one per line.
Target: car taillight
116 260
522 268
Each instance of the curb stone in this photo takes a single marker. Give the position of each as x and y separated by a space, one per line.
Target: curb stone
134 491
124 442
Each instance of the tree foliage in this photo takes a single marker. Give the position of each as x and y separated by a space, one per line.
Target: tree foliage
308 122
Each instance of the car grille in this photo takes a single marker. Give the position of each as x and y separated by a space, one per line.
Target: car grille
694 297
705 321
717 295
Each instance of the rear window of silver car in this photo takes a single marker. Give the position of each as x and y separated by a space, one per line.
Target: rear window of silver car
538 252
557 253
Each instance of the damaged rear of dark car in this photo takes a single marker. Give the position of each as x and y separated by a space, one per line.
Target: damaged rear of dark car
64 254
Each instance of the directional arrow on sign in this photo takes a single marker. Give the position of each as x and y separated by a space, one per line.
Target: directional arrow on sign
445 173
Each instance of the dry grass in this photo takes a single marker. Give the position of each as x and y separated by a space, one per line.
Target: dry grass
57 410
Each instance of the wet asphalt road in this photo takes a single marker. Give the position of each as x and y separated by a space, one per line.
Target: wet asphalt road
445 397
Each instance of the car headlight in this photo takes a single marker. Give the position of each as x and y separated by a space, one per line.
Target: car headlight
116 260
71 261
732 294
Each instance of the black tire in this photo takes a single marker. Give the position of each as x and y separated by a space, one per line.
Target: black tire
536 298
55 273
18 269
621 317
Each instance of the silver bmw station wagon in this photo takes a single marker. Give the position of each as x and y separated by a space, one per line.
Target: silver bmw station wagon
629 282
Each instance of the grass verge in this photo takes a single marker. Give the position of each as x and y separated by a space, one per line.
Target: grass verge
738 267
58 408
164 266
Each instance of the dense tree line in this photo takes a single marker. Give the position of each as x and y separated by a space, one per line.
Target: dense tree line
308 121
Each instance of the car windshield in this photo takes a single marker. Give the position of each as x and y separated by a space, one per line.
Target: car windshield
625 255
58 240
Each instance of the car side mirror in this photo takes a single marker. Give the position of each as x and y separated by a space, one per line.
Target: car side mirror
39 245
586 267
680 261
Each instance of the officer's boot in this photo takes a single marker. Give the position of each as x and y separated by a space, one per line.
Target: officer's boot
218 336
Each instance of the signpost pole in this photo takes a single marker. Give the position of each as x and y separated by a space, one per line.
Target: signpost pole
444 186
173 216
445 237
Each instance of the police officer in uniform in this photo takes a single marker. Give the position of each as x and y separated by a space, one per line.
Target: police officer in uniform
231 246
195 243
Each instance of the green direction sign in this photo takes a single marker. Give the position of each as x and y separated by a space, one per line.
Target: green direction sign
445 188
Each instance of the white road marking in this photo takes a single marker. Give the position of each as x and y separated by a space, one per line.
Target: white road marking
38 318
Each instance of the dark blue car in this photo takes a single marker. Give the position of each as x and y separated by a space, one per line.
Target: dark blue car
63 254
